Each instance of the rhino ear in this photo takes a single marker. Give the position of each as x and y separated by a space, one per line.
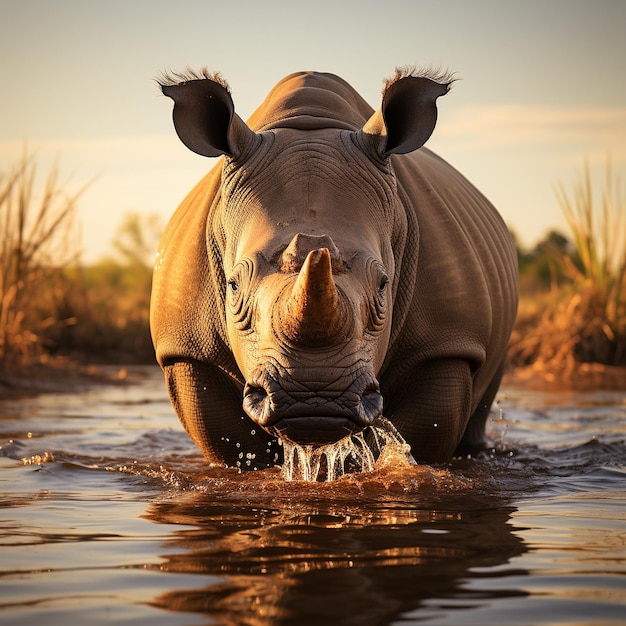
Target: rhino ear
205 119
407 116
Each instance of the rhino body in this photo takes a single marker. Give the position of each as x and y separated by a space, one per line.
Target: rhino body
329 269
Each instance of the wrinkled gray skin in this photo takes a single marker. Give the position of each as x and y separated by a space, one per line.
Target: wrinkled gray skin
327 270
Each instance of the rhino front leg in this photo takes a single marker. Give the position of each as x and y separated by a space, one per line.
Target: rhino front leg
208 403
433 409
474 436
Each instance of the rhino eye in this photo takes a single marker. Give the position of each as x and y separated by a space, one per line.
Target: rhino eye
382 286
239 303
378 300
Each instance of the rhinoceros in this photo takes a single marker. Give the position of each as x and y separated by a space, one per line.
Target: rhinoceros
328 270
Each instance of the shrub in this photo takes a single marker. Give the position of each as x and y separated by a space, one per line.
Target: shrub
53 306
584 320
37 243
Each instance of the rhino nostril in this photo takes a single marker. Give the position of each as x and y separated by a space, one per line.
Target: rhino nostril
255 400
253 392
372 401
372 389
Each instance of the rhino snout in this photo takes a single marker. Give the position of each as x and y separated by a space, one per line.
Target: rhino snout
312 417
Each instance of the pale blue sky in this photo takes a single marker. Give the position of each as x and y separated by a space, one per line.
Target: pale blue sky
542 88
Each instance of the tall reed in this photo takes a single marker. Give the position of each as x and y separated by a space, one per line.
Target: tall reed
600 240
37 241
585 320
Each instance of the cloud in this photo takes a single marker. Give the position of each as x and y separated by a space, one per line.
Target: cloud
96 152
591 130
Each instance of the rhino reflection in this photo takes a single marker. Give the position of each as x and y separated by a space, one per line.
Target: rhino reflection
343 563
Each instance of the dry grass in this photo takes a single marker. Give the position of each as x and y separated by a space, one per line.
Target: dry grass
37 242
54 312
583 320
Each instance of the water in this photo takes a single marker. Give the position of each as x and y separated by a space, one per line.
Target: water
110 515
378 445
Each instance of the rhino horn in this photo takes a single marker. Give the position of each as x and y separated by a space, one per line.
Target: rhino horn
315 314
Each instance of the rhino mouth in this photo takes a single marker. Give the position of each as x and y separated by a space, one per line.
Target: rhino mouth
307 417
314 431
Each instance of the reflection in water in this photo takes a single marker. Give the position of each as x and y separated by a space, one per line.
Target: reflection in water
315 559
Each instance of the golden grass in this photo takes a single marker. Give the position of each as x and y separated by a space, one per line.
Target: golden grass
37 241
52 307
582 320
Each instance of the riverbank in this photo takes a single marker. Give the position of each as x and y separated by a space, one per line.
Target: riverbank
580 377
63 376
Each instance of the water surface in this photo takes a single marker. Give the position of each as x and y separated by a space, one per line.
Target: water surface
109 514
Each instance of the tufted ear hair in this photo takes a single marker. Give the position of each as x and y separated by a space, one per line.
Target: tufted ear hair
205 119
407 116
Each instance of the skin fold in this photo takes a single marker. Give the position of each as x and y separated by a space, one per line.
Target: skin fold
328 270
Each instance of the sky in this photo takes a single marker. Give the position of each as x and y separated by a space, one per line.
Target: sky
541 90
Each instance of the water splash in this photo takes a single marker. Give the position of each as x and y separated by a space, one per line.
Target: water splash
362 452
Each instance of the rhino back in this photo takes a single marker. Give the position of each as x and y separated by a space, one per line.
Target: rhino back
309 101
461 300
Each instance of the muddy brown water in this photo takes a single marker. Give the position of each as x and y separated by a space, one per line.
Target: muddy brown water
110 515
